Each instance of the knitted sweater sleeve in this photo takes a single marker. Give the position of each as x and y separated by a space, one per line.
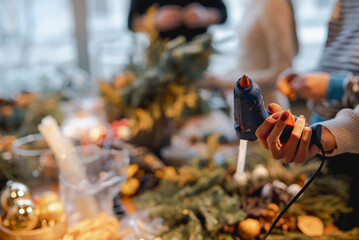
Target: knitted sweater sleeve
345 128
345 125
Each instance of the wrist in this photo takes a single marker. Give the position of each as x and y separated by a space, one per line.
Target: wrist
328 140
335 89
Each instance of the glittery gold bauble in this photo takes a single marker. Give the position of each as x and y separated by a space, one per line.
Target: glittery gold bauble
22 215
50 207
12 192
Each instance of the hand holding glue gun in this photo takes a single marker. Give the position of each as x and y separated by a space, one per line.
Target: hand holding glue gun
270 130
250 114
298 148
285 136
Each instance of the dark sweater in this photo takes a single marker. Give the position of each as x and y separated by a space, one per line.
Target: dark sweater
139 7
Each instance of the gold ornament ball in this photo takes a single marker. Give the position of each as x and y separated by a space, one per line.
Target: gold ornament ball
50 207
12 192
249 228
22 215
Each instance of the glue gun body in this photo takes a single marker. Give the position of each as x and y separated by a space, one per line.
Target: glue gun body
249 113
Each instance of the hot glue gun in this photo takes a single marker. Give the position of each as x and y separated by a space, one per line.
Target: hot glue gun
249 113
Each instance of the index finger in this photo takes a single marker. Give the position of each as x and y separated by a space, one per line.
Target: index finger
263 130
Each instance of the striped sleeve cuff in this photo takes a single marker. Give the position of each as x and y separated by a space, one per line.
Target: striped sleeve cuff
345 128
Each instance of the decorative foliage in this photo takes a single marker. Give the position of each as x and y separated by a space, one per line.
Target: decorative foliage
205 202
326 198
193 204
7 170
21 115
166 85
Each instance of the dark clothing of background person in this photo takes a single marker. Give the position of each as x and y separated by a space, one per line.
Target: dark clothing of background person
139 7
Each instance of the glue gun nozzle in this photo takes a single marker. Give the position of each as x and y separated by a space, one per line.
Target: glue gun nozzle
244 83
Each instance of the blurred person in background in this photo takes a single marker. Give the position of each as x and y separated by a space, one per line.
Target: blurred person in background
324 88
267 45
179 17
333 95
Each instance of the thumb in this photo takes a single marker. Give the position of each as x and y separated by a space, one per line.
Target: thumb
273 108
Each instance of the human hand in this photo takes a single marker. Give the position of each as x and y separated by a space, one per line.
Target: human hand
195 15
270 130
311 86
168 17
283 83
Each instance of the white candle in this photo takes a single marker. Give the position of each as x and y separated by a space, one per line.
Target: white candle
70 167
66 156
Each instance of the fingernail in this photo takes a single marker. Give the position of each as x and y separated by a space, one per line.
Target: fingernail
271 107
302 116
276 115
285 115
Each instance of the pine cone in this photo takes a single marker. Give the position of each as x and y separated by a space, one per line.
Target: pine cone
254 206
286 223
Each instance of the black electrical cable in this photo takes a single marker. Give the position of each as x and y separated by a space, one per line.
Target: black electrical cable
298 194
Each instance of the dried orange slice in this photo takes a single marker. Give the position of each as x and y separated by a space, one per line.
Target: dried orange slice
310 225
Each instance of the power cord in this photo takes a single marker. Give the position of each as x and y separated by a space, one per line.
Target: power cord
298 194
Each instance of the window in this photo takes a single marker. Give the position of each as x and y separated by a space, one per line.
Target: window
43 33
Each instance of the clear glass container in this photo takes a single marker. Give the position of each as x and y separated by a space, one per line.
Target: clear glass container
35 164
106 171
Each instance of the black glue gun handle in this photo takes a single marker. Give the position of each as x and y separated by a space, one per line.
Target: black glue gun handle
316 134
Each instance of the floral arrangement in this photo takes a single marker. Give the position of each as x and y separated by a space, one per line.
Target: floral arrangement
204 201
164 86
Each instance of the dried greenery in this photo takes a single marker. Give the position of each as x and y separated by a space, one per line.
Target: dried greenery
165 85
204 202
19 117
194 205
